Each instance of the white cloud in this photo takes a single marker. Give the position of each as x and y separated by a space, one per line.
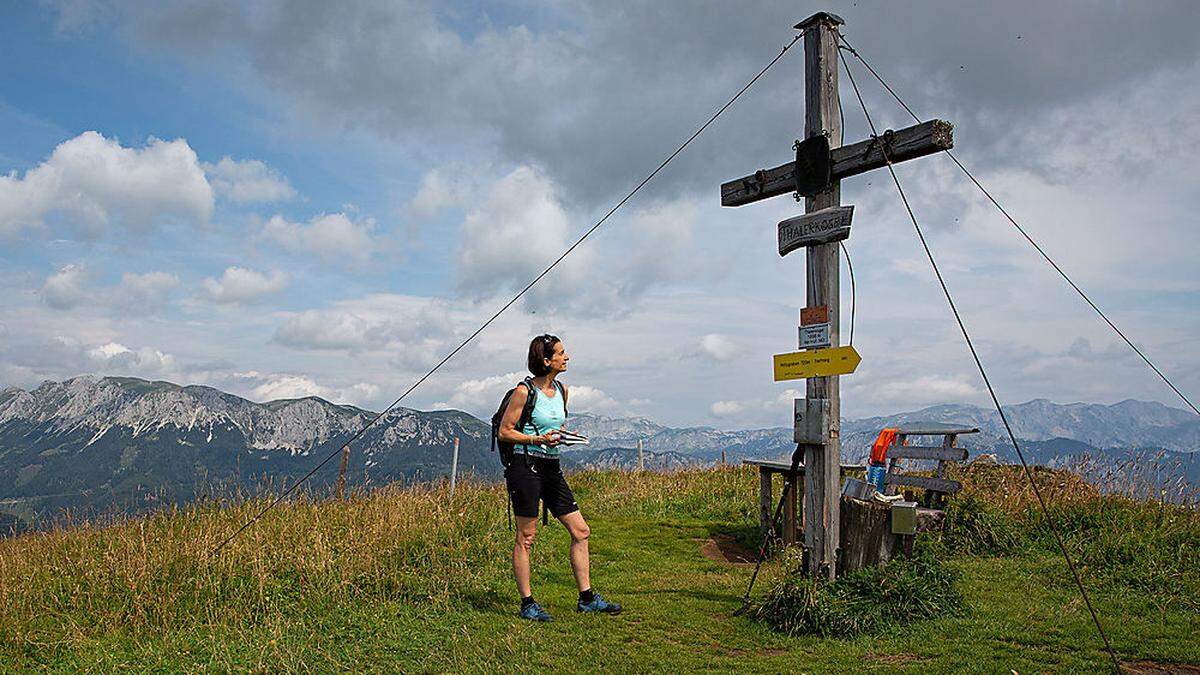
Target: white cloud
248 181
726 408
66 288
718 347
275 386
92 182
116 358
481 396
331 237
517 228
786 397
412 331
439 190
478 395
108 351
288 386
584 398
239 285
330 329
144 291
660 248
70 287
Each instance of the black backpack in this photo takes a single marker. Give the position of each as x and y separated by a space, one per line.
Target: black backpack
506 449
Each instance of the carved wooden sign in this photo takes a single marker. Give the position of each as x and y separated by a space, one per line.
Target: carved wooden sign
820 227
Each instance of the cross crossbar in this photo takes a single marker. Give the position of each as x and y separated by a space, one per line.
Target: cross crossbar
912 142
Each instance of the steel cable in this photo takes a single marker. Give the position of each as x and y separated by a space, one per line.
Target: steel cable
1054 527
1025 234
510 303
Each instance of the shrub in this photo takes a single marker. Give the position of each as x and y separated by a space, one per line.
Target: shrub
897 593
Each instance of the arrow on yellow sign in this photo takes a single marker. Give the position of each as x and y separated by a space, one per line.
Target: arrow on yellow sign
816 363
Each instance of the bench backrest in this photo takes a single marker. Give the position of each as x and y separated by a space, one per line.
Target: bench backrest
938 485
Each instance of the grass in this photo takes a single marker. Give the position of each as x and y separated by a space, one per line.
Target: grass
403 579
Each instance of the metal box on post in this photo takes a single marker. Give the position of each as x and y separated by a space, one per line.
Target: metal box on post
812 421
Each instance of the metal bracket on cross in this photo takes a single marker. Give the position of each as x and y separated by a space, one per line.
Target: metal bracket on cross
814 166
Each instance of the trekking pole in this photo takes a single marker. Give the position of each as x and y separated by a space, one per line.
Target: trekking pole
762 551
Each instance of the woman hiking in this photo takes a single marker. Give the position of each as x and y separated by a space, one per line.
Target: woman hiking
535 474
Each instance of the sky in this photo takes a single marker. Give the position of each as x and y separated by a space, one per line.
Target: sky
283 199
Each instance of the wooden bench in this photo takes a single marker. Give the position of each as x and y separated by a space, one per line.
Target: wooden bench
866 526
937 487
791 530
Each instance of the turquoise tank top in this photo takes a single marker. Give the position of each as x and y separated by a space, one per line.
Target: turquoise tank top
548 413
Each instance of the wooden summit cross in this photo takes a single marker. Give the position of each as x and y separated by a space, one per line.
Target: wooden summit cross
816 174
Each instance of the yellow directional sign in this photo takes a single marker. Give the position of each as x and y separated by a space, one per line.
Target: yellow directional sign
816 363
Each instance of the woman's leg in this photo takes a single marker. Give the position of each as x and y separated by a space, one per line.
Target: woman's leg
580 532
526 531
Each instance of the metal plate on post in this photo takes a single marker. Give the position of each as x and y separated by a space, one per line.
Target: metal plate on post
815 336
812 421
820 227
814 166
811 315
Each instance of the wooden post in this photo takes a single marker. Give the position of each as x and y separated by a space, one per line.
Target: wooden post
822 462
341 482
641 460
765 501
790 531
812 169
722 456
454 468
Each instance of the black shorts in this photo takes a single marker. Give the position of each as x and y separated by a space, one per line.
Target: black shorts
538 479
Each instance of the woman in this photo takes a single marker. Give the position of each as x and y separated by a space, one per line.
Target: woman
535 474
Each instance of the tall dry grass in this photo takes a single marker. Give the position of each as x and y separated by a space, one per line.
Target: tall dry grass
309 557
1114 532
158 573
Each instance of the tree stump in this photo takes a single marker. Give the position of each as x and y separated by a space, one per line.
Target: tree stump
867 537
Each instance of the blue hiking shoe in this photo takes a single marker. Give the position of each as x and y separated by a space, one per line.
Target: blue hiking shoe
598 604
534 612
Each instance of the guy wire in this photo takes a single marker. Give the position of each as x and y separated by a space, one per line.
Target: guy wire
1054 527
1024 233
508 304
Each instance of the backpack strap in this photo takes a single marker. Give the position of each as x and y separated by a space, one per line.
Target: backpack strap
527 411
530 402
562 390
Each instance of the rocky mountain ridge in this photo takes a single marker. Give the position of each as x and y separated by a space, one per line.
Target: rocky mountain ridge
94 443
97 445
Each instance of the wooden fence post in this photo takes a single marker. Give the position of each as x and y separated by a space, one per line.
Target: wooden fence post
454 468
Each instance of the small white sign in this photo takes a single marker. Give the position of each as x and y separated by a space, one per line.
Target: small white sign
814 336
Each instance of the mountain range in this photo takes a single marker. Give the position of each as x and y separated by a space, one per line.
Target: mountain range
111 445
